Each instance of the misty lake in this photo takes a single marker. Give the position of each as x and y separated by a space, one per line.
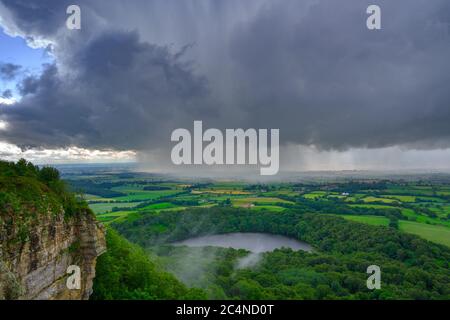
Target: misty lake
254 242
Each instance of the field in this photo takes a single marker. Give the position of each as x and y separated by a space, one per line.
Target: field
104 207
421 208
432 233
372 220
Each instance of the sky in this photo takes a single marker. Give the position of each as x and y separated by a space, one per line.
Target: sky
17 59
344 97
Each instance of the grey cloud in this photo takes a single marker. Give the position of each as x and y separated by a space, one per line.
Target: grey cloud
28 85
37 18
8 71
317 72
310 68
7 94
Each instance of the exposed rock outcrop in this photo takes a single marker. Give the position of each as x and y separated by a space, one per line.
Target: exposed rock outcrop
37 249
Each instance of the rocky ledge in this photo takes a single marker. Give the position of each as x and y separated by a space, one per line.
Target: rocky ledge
36 251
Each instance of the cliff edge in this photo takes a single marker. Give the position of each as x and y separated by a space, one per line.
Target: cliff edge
44 230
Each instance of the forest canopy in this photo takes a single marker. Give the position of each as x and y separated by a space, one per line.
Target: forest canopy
412 268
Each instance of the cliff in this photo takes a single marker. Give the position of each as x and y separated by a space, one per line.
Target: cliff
36 268
43 231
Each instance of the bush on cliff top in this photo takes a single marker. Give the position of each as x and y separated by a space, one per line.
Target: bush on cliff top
24 186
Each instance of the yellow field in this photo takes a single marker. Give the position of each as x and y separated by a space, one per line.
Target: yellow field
374 199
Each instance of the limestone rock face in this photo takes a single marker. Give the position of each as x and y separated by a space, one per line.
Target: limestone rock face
36 250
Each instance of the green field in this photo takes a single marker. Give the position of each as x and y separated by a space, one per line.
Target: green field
146 195
375 199
372 220
268 208
108 217
372 206
315 194
438 234
257 201
104 207
158 206
400 198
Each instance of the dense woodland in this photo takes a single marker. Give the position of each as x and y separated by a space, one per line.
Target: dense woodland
412 268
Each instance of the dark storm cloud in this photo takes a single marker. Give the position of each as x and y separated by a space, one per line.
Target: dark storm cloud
120 94
310 68
8 71
321 76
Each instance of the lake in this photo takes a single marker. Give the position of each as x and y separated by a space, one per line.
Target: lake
254 242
